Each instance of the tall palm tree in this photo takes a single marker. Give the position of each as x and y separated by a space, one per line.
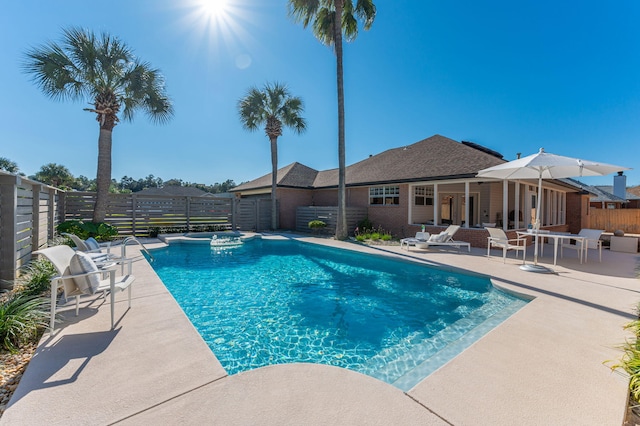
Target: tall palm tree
273 106
324 16
103 70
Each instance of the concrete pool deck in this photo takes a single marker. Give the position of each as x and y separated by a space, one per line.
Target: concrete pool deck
543 365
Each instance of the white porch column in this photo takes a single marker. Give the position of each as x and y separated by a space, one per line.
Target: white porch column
526 215
505 204
516 217
467 219
410 198
436 204
548 203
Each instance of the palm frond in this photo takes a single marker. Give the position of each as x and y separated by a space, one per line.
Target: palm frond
274 103
96 67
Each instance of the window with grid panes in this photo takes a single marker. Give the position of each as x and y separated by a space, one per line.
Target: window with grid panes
384 195
423 196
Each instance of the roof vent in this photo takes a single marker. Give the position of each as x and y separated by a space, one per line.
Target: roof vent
483 149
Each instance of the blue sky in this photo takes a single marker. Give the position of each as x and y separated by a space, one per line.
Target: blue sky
513 76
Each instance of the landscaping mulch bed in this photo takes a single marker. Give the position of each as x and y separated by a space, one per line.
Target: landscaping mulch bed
12 366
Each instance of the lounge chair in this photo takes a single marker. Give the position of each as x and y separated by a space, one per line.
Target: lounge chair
90 245
79 275
498 239
411 241
591 241
444 238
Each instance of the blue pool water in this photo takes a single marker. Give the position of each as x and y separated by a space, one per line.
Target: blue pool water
279 301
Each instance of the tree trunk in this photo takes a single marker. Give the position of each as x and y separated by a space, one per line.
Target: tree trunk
274 181
341 226
103 178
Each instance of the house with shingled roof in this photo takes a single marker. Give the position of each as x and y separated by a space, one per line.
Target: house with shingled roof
614 196
432 183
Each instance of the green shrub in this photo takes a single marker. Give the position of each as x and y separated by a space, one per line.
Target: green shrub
100 231
36 277
21 319
317 224
364 226
630 360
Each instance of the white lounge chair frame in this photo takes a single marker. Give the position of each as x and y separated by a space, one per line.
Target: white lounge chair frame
447 241
591 241
60 256
498 239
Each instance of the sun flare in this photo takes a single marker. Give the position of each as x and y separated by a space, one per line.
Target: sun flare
213 8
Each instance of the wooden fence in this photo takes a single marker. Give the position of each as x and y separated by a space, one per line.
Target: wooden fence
611 220
328 215
29 213
142 215
253 214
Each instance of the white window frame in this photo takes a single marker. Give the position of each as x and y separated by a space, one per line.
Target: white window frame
388 194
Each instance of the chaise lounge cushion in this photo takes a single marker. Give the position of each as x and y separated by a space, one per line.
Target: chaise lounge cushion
438 238
81 263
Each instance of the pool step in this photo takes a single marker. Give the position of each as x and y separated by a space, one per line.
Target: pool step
405 368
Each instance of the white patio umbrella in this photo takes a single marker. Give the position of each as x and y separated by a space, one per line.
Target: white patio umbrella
546 166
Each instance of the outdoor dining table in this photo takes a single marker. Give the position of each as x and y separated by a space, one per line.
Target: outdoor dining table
556 237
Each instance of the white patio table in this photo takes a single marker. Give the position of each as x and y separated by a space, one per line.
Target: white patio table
556 237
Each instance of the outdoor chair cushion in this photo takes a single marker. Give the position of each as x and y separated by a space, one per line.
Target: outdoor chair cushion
438 238
92 244
81 263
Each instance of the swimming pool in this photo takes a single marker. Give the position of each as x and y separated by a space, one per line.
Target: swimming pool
278 301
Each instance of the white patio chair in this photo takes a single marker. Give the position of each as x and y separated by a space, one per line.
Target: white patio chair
79 275
498 239
591 241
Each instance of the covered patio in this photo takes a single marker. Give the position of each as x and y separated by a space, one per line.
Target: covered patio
487 203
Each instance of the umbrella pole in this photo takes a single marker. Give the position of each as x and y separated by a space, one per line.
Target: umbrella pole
536 227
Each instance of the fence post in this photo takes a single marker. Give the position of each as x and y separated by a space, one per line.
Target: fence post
35 214
54 208
188 212
234 211
8 230
134 209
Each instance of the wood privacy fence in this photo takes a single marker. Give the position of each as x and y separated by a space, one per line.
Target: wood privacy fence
611 220
142 215
29 213
254 214
328 215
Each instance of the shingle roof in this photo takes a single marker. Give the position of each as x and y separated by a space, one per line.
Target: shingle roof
605 193
436 157
294 175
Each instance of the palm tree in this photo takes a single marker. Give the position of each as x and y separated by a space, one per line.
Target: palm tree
105 71
323 15
8 165
55 175
272 107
